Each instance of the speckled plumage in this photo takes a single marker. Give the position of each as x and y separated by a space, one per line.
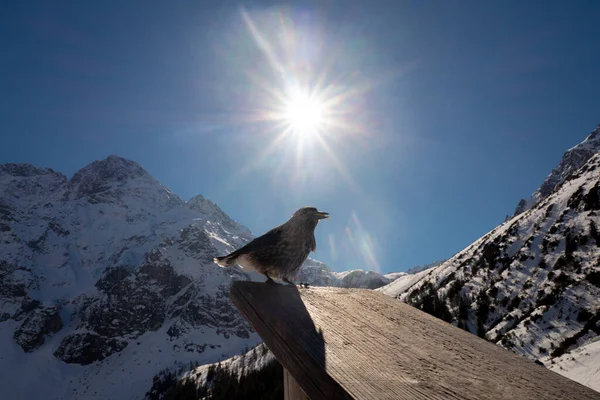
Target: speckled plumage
281 251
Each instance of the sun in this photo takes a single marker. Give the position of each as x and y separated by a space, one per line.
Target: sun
303 113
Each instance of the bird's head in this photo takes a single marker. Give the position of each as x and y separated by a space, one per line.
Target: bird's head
310 214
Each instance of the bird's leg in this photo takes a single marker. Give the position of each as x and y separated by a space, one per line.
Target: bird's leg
269 280
303 284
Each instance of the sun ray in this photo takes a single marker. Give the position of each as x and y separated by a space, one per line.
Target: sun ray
309 115
255 162
338 165
263 44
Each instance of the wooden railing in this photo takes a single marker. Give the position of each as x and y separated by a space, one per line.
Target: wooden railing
360 344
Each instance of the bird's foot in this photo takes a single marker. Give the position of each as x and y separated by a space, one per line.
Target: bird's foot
302 284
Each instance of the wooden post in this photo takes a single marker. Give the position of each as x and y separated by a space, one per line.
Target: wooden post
291 389
361 344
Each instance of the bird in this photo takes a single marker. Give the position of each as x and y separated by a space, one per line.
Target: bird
281 251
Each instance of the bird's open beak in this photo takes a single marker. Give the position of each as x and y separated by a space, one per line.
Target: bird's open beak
322 215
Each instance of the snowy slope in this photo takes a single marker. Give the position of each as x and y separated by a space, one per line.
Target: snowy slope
531 285
392 276
253 374
403 283
251 360
581 365
572 160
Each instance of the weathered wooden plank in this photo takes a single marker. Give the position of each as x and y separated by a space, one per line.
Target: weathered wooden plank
352 343
291 333
291 389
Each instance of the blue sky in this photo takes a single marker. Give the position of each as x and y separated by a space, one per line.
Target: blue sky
446 113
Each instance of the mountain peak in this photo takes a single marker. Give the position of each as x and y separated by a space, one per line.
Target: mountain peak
212 212
572 160
204 206
99 175
110 179
112 168
594 135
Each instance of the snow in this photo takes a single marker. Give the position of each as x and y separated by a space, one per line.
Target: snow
392 276
125 375
254 360
403 282
581 365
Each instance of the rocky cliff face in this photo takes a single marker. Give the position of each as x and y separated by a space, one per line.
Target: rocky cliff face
38 323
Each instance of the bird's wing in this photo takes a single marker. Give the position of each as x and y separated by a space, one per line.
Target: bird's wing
267 240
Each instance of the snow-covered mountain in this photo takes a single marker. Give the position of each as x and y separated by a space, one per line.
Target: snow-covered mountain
319 274
572 160
359 278
531 285
108 277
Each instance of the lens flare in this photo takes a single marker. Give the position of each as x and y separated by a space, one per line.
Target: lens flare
332 248
309 117
363 244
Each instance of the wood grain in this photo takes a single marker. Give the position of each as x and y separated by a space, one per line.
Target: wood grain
361 344
291 389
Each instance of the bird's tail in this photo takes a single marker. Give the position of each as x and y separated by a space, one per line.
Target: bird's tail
225 261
